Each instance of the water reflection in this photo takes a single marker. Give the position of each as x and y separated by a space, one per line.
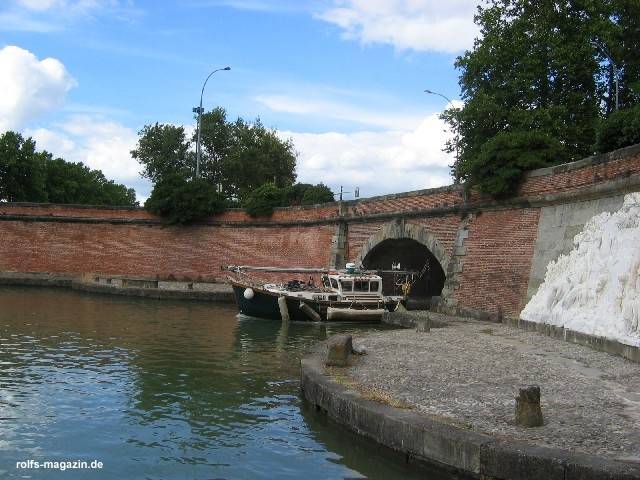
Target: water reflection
162 390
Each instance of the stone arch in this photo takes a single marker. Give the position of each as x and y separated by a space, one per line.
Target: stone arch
404 234
398 230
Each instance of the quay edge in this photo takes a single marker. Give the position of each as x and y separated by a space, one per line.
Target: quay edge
124 286
424 440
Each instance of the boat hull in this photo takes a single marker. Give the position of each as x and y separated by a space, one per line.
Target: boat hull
264 304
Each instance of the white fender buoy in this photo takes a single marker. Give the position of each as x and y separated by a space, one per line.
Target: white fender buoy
248 293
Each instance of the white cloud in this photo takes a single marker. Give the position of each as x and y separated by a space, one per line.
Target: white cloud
30 87
38 4
253 5
336 110
45 16
33 87
98 143
422 25
378 162
72 7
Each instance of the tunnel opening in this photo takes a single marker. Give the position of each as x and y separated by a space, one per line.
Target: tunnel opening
411 255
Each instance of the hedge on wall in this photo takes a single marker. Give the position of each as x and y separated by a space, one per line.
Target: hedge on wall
181 201
621 129
501 165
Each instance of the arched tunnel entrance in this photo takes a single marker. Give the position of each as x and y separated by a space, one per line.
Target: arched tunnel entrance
411 255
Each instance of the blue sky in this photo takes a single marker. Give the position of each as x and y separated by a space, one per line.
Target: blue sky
343 78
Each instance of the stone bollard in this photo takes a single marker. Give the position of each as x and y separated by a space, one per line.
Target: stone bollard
338 350
528 411
423 325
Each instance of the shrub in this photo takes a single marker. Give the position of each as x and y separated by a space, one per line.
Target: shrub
262 201
500 167
181 201
315 194
621 129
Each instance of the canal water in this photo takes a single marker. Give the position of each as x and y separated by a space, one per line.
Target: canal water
165 390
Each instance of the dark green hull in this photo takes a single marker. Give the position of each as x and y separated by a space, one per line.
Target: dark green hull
264 304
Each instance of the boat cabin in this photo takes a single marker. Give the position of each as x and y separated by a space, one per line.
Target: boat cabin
354 286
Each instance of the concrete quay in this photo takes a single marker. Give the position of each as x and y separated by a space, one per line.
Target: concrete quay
126 286
447 396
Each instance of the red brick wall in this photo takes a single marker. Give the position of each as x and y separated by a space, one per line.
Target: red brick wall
497 264
150 251
495 269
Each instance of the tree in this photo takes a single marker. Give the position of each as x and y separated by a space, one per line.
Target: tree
163 150
237 157
538 67
621 129
180 201
241 156
68 182
27 175
22 170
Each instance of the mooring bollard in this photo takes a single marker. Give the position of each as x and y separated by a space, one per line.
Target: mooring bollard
284 311
423 325
339 349
528 411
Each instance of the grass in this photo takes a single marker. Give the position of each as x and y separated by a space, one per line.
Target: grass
339 376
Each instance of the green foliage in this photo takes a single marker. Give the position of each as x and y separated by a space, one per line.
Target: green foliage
30 176
499 168
236 156
163 150
621 129
181 201
68 182
317 194
22 170
242 156
262 201
307 194
541 66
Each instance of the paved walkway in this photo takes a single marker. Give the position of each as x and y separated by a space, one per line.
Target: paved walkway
469 373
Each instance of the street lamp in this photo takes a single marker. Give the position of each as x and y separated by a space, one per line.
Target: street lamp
604 50
439 94
199 110
457 126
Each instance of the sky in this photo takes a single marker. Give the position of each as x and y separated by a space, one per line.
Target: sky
344 79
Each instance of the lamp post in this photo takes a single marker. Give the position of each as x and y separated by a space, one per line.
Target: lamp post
199 110
449 102
439 94
604 50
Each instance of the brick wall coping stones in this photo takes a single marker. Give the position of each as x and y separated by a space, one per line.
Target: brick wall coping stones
619 154
332 212
610 188
424 439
